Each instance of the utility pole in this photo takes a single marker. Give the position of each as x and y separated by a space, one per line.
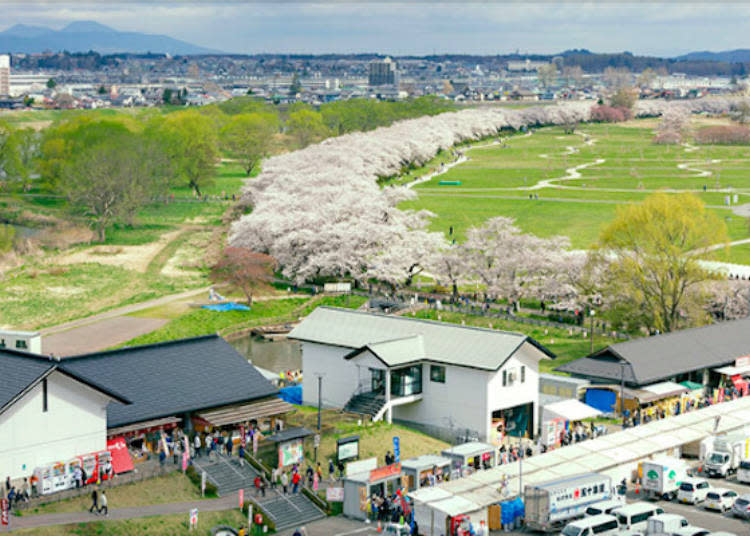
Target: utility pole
320 403
622 391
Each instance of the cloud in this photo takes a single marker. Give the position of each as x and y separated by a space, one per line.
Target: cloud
413 27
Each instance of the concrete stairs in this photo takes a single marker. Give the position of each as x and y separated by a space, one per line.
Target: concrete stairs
365 404
229 476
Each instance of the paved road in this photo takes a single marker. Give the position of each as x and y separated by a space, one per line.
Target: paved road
99 335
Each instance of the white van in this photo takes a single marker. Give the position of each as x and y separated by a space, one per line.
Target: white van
665 523
691 531
693 490
588 526
603 507
635 516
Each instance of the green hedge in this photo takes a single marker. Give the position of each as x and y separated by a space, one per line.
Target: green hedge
195 478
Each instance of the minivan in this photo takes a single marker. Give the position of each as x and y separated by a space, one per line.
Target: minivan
693 490
603 507
588 526
741 507
635 516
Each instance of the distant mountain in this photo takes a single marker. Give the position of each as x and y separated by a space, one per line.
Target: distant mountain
740 55
82 36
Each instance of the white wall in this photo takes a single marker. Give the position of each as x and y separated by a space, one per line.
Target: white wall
460 402
75 423
499 397
9 340
340 376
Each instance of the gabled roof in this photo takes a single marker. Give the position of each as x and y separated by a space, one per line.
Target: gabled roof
172 378
396 338
396 352
651 359
22 371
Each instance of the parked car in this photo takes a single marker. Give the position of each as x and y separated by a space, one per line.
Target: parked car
720 499
741 507
635 516
691 531
665 523
603 507
693 490
588 526
722 533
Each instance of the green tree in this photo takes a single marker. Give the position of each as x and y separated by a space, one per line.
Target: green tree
249 137
167 96
110 180
624 97
650 251
306 127
102 90
296 86
51 84
190 142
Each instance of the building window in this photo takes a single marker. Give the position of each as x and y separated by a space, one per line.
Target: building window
523 373
437 373
44 395
406 381
21 344
505 378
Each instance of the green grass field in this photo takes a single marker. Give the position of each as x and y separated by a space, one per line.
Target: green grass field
624 167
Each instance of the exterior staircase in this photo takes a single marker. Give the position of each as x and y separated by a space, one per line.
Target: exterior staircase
365 404
229 476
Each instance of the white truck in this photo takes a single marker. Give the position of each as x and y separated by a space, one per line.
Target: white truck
661 477
551 505
743 472
725 455
665 523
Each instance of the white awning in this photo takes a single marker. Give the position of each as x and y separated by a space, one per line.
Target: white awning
731 370
569 409
666 389
454 506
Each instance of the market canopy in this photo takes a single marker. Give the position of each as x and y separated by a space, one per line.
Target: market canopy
570 410
665 389
246 412
143 426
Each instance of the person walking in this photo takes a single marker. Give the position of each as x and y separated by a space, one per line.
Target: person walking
103 504
77 475
256 483
94 502
197 443
229 445
263 486
284 482
295 482
331 470
209 444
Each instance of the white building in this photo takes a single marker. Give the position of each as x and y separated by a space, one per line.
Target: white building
4 74
26 341
446 379
47 414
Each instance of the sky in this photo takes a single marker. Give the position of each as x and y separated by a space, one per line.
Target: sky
413 28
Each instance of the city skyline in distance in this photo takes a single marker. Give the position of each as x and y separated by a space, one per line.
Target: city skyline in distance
417 28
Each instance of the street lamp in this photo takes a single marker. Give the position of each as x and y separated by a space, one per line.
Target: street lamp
591 314
622 391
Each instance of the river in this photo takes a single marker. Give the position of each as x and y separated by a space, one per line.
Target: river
275 356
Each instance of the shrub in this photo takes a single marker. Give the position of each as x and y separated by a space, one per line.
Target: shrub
723 135
610 114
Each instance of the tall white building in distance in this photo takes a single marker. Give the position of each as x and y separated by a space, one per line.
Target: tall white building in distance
4 74
382 73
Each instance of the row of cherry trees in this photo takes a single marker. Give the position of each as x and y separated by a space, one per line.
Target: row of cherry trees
320 212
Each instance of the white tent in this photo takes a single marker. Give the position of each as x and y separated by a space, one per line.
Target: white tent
569 409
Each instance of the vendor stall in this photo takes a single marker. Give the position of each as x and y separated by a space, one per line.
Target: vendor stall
737 375
425 471
472 456
358 488
557 416
284 448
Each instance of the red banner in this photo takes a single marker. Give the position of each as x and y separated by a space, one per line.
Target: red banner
121 460
385 471
4 520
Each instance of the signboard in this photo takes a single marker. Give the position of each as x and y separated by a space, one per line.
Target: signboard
249 515
243 437
337 287
347 448
396 449
384 472
362 466
121 460
4 509
291 452
241 497
363 498
185 458
335 494
255 443
203 483
194 518
316 440
497 432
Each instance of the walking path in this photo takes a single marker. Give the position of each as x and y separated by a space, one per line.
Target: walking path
203 505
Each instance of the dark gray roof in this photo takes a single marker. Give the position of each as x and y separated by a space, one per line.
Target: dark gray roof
171 378
659 357
21 371
288 434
